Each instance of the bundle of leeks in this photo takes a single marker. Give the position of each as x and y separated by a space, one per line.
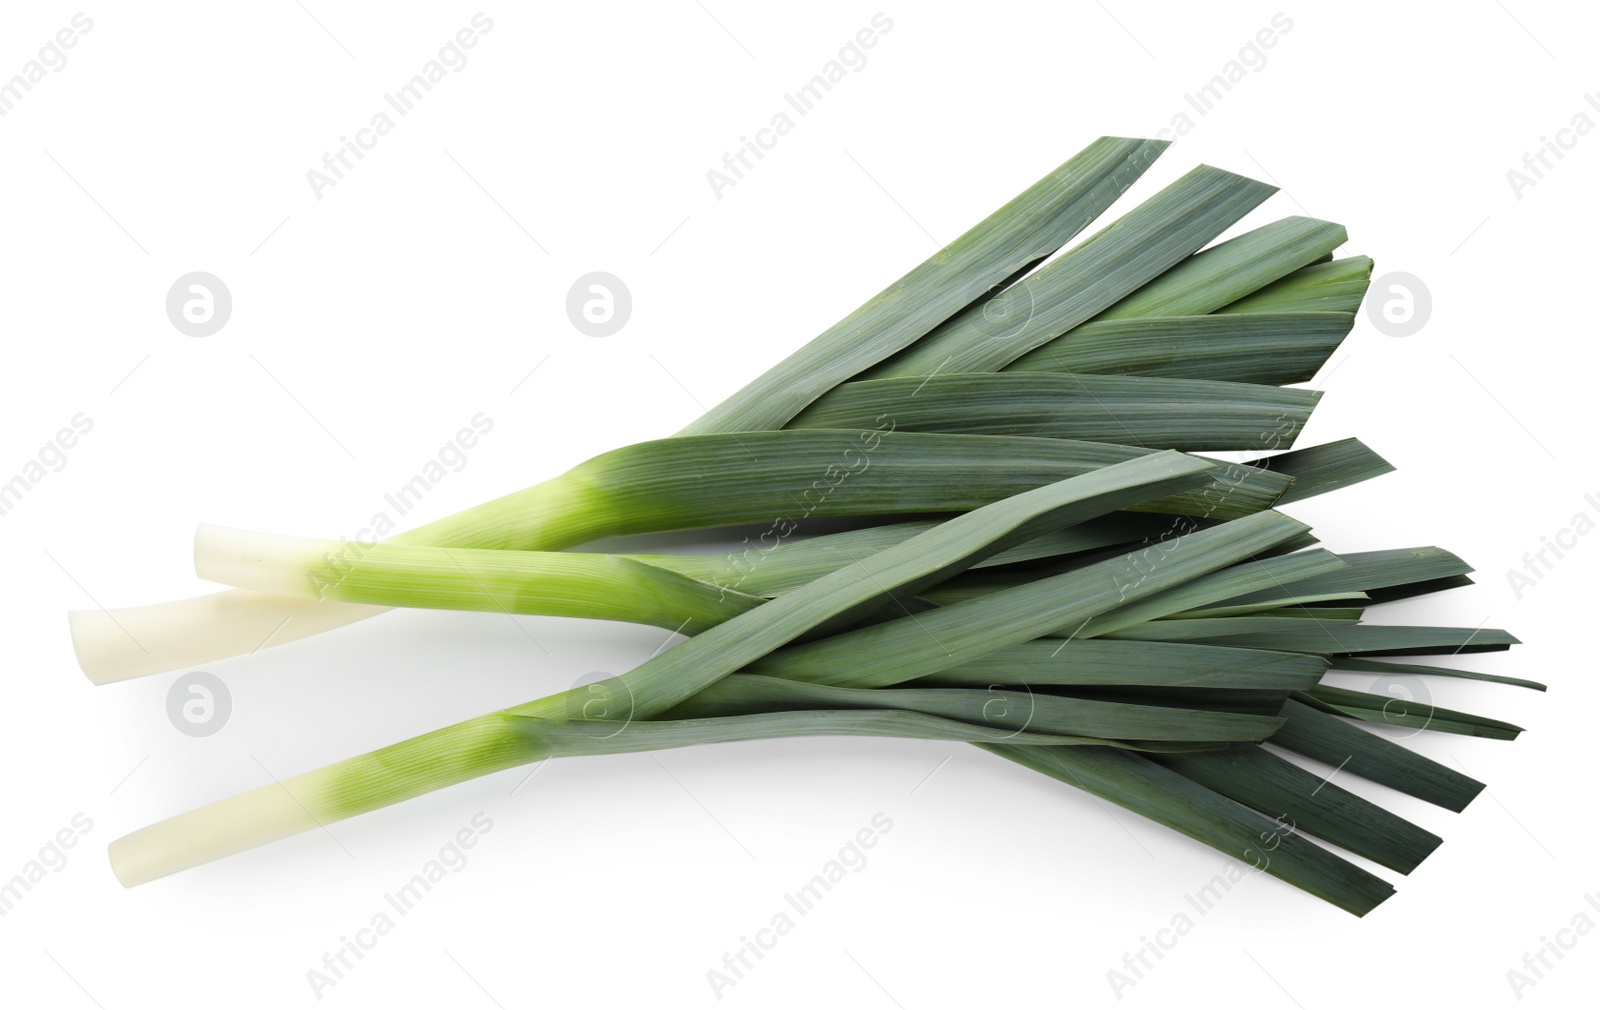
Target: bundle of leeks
1086 598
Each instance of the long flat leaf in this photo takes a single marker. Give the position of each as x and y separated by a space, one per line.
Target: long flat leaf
920 644
716 480
1186 414
1280 789
1389 710
1362 665
1006 711
1249 630
1104 662
1029 228
1336 286
1087 279
1267 602
1341 745
1329 638
1228 271
1320 469
1245 836
773 564
1274 348
1367 571
1208 588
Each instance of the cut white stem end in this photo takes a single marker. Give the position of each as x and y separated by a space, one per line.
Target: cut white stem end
219 829
114 645
265 562
318 798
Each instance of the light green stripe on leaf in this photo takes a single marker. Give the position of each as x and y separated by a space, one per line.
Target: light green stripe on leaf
1336 286
1228 271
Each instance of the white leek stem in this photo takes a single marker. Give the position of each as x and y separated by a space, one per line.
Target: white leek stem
114 645
480 746
266 562
318 798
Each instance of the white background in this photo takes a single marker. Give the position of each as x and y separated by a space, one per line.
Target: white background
370 324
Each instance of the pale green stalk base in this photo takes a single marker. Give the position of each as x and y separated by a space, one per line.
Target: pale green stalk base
544 583
317 798
481 746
